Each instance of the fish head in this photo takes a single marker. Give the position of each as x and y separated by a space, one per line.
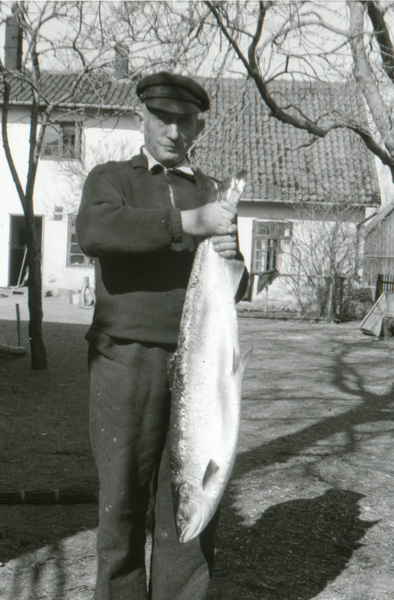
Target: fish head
192 511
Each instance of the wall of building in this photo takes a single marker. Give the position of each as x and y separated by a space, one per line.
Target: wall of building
103 139
110 139
304 222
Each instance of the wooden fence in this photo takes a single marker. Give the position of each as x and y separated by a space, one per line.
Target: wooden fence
384 283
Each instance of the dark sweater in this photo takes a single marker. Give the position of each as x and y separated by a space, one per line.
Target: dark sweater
130 219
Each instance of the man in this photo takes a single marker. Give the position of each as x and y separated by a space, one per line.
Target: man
141 219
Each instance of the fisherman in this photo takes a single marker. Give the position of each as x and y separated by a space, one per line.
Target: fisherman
142 219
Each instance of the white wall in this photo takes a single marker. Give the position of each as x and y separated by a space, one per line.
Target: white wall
115 138
279 295
386 184
53 188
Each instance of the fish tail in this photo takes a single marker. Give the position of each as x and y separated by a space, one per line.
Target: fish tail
232 188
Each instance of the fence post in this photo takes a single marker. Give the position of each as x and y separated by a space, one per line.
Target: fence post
330 298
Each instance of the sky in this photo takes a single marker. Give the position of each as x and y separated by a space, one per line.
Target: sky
335 18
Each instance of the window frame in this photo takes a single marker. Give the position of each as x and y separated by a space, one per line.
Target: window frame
88 260
61 128
269 241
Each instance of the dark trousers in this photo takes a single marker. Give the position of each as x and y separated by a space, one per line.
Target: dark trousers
129 417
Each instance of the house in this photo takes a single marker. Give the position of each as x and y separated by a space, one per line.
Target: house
290 181
296 189
93 118
96 115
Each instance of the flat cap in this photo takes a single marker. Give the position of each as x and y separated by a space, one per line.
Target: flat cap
174 93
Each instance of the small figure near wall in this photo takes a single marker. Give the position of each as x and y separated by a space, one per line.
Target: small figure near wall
88 298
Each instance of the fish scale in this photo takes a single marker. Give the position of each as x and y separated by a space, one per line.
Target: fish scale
206 391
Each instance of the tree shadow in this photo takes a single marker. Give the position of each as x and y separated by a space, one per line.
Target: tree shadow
52 545
372 407
28 580
308 541
292 551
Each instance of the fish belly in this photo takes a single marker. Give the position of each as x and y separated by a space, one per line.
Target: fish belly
206 393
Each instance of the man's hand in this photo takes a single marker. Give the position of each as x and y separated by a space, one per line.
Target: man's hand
216 218
226 245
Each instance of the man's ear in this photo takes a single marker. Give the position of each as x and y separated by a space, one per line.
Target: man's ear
138 119
200 126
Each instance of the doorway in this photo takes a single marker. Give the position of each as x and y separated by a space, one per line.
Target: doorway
18 264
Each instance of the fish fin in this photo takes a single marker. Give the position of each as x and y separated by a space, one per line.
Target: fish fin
241 362
237 269
210 471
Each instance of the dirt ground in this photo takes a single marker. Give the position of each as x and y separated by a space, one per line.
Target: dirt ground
309 511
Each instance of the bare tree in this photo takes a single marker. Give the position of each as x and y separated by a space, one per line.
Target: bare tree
344 42
322 256
65 35
339 54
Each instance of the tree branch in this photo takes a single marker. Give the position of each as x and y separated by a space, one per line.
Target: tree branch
257 36
276 110
6 144
382 36
364 76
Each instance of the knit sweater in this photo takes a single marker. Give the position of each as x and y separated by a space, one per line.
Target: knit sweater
130 220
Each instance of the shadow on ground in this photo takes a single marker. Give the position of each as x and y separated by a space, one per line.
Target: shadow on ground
291 552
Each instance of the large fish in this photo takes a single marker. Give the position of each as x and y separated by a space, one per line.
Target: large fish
206 392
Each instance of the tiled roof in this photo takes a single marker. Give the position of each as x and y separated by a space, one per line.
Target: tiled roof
282 166
66 90
282 163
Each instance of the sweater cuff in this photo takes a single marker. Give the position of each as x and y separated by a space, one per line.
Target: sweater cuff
176 230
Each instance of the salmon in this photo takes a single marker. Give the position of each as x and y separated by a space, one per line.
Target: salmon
206 390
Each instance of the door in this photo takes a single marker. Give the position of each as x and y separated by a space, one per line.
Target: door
17 257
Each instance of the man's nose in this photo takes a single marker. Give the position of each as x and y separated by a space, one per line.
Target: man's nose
173 131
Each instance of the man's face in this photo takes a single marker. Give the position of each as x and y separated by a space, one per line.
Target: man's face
168 136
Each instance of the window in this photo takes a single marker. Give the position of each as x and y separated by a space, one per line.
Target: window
266 240
75 256
62 141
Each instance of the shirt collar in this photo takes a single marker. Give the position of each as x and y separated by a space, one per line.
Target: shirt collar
184 166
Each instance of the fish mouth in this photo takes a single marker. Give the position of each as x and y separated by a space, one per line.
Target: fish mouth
191 509
189 522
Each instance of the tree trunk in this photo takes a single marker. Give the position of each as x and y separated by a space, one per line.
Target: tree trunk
37 347
365 78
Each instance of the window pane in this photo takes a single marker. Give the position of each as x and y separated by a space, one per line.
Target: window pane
272 229
277 230
51 141
77 259
70 139
51 149
259 252
261 228
272 252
